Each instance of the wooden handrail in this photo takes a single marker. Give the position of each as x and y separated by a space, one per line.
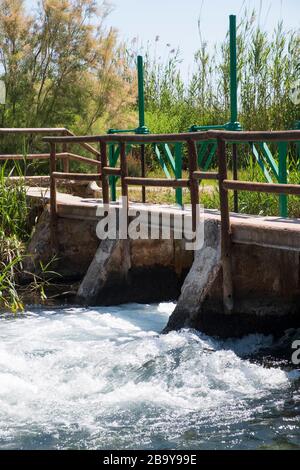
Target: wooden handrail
47 131
129 138
80 158
254 136
76 176
84 144
273 188
46 156
158 182
108 170
205 175
33 130
30 156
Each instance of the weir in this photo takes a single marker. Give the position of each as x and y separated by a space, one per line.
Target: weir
244 278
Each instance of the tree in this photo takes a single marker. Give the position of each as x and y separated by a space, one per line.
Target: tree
61 66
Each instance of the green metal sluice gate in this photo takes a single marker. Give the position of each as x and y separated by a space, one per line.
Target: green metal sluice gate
170 157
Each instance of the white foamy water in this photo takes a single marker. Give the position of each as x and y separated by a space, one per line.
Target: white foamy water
106 378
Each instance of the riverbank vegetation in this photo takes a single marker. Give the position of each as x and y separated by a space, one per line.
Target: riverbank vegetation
15 231
13 235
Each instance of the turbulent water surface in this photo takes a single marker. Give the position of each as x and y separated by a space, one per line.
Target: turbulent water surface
105 378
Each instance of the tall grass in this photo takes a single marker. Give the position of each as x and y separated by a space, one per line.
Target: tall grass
267 64
13 234
10 263
13 205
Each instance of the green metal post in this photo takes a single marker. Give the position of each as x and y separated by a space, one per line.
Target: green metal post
282 170
233 70
233 99
141 97
178 171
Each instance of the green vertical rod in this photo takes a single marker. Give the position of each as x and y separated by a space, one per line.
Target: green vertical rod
282 170
233 98
141 97
233 70
178 171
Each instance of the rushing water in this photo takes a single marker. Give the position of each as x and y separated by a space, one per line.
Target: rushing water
104 378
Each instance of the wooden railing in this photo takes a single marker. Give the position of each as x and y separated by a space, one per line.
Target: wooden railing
64 155
192 182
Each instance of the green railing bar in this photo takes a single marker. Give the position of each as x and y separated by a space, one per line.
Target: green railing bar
113 157
178 171
261 163
141 97
169 156
176 164
269 157
161 161
282 170
202 151
210 156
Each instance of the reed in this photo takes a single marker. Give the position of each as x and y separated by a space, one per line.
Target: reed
13 234
268 64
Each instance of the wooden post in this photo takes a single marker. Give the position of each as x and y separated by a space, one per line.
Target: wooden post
143 172
98 158
105 187
66 160
193 183
53 205
124 186
235 177
123 169
225 231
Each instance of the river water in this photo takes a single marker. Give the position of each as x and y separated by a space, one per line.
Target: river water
105 378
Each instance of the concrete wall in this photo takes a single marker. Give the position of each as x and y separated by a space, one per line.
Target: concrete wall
77 246
266 279
266 285
156 270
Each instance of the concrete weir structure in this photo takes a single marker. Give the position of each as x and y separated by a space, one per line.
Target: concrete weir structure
265 268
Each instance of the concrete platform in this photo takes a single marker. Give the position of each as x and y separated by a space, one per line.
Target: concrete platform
273 232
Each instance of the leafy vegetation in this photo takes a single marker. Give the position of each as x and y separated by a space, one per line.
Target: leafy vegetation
13 234
62 67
